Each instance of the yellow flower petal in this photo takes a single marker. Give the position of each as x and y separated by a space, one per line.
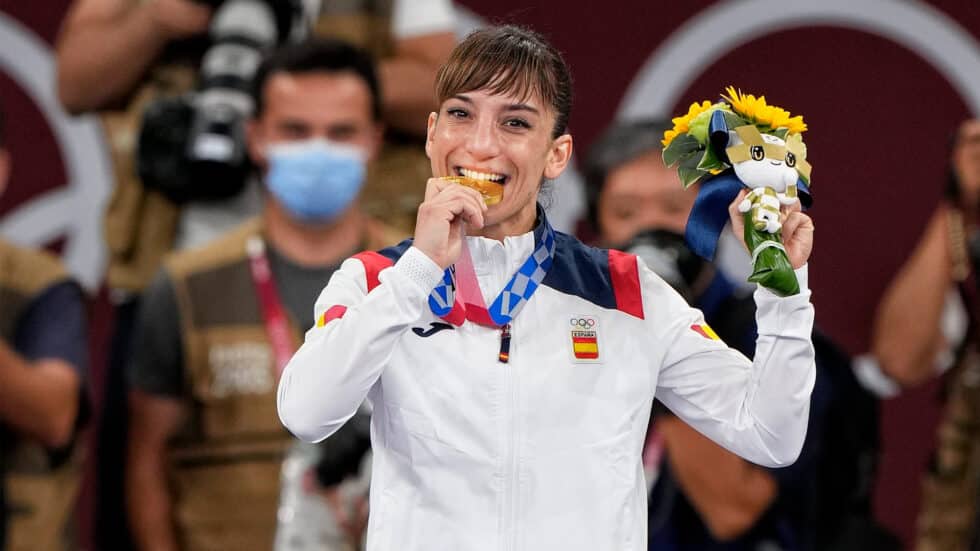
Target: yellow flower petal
760 113
682 123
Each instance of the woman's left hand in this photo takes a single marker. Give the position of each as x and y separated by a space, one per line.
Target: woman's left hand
797 230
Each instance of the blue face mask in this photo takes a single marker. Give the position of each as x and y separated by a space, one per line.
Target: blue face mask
315 180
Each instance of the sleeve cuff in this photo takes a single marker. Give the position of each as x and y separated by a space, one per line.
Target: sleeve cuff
786 316
802 276
417 267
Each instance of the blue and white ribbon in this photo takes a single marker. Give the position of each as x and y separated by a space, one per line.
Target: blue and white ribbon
516 292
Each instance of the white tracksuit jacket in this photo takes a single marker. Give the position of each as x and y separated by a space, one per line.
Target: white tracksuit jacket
542 452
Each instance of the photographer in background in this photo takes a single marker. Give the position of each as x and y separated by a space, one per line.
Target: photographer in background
922 316
703 496
927 323
123 57
43 360
218 323
107 47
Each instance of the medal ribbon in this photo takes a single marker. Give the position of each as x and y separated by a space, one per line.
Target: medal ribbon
457 303
273 314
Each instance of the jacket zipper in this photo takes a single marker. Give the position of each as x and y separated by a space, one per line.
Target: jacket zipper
514 457
504 355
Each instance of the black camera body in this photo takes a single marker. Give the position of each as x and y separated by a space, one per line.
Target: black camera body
192 147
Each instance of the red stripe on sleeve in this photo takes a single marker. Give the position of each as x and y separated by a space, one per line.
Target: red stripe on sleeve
373 264
626 282
332 313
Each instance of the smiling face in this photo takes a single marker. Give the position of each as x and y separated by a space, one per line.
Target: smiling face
502 138
764 170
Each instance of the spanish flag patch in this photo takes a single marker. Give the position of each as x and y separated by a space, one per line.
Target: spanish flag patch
585 348
584 331
705 331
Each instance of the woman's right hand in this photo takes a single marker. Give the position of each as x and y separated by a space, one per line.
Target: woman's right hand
442 218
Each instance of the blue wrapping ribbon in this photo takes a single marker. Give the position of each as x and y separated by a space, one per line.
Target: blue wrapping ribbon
710 212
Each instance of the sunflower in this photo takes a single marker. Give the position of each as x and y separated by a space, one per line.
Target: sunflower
758 112
682 123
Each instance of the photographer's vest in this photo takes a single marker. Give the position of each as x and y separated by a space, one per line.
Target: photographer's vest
40 493
948 514
141 224
225 465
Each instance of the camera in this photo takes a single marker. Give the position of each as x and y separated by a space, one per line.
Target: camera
192 147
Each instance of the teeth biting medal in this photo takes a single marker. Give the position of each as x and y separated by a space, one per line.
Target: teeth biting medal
492 192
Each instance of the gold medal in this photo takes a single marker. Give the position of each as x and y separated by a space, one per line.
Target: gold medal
492 192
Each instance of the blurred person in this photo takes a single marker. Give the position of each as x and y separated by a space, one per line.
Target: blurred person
107 47
923 313
219 322
120 57
505 426
927 323
115 56
703 496
43 360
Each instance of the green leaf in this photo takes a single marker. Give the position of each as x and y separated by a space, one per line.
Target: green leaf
771 268
688 169
699 125
780 132
734 121
679 148
710 161
690 175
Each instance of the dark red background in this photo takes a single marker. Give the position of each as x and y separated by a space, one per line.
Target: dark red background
879 117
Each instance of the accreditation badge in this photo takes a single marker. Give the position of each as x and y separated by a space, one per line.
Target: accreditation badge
583 332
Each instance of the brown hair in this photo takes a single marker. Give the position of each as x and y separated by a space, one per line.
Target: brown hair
319 54
509 60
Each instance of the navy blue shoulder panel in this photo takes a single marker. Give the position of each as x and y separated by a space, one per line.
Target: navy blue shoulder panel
577 269
582 271
395 252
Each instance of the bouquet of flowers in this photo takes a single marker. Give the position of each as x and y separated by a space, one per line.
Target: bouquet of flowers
742 142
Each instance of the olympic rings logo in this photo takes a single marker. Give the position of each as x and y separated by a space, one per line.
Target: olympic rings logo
584 323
